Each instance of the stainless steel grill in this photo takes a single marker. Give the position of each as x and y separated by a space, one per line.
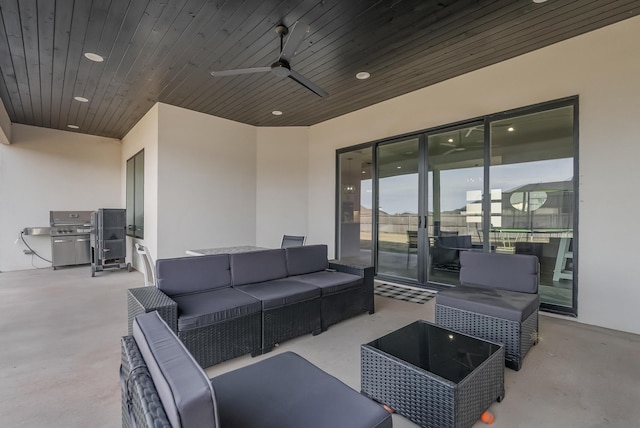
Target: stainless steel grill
70 237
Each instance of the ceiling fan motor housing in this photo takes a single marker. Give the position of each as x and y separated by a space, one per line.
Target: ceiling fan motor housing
281 68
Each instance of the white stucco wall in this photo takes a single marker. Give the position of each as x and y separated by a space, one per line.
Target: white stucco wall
206 182
603 68
144 135
43 170
282 173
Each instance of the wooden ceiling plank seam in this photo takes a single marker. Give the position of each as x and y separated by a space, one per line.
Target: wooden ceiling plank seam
116 100
143 92
181 52
93 33
74 61
46 20
62 29
13 30
13 102
29 24
107 86
101 73
185 74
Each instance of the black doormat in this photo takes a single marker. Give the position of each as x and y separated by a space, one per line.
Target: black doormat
402 293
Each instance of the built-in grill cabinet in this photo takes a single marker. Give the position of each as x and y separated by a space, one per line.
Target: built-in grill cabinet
70 237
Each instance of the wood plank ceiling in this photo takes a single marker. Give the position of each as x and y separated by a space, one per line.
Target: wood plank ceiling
164 50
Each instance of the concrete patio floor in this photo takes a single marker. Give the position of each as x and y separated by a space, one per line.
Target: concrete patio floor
60 354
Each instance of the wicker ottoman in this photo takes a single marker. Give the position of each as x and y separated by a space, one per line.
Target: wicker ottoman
432 375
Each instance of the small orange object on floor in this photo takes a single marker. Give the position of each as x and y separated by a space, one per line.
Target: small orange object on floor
388 409
487 417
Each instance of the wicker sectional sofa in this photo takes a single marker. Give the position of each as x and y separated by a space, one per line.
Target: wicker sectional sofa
226 305
163 386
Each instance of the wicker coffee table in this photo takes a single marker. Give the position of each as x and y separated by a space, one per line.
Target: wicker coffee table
434 376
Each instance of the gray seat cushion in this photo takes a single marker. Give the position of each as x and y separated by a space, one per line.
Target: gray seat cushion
258 266
280 292
209 307
504 304
192 274
301 260
514 272
305 397
331 282
183 387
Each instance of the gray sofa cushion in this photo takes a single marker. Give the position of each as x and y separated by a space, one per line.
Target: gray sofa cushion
258 266
183 387
280 292
331 282
301 260
504 304
515 272
192 274
306 397
210 307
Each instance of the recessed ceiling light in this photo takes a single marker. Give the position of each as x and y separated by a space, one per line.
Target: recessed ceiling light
81 99
276 113
450 140
511 129
73 126
539 1
363 75
399 167
93 57
364 172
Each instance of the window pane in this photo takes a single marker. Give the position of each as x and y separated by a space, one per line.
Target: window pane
532 166
355 233
130 196
139 195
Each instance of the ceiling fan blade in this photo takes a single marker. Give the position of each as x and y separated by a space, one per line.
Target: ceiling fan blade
308 84
240 71
449 144
293 41
449 151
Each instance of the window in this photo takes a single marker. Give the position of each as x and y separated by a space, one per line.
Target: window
135 195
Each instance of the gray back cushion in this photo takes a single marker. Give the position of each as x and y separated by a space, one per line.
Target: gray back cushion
514 272
301 260
187 275
258 266
183 387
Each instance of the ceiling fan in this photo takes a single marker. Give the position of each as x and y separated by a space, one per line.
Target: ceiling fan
281 67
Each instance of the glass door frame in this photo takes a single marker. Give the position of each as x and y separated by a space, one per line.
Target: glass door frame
423 238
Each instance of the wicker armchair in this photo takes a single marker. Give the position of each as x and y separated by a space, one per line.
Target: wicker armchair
497 301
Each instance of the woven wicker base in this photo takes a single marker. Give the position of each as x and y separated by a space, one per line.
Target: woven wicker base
517 337
427 399
290 321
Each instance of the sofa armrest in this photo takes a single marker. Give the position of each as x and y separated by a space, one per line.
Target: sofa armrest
365 272
141 405
148 299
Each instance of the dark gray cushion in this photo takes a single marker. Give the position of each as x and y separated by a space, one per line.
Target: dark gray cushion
183 387
209 307
503 304
192 274
287 391
280 292
331 282
301 260
515 272
258 266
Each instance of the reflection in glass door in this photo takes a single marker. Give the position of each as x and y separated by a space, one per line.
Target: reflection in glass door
398 190
533 165
454 203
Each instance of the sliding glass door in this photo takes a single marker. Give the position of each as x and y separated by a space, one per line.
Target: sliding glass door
455 180
398 209
503 183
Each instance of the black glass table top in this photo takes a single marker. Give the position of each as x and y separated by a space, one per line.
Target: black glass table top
440 351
